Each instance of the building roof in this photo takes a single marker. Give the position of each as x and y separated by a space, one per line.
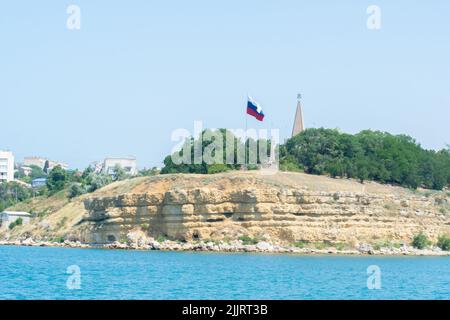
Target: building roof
121 158
17 213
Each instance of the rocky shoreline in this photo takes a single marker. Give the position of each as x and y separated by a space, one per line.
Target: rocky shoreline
233 247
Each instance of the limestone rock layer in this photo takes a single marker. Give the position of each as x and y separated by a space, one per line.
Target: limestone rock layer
281 208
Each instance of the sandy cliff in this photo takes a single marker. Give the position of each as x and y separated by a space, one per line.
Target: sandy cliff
281 208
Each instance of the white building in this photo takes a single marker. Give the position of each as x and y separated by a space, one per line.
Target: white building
8 217
40 162
6 166
127 164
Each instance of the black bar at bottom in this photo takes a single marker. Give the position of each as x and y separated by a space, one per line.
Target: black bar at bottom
224 309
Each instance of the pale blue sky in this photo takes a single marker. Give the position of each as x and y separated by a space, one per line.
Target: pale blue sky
137 70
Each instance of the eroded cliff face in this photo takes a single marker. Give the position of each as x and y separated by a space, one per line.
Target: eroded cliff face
229 206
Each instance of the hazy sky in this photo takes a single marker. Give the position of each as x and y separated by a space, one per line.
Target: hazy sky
137 70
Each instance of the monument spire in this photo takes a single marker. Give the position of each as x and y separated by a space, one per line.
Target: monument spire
298 121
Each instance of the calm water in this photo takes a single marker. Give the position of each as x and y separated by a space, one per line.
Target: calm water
40 273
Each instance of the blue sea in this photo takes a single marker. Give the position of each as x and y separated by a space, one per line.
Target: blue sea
63 273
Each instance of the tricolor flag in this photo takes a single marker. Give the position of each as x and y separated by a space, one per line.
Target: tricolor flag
254 109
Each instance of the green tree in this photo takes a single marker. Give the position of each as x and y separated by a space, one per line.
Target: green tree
97 181
119 173
225 150
12 193
368 155
56 180
76 189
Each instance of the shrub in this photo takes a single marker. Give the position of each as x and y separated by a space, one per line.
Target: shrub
444 242
58 239
97 181
300 244
119 173
386 244
76 189
246 240
161 238
320 245
420 241
42 214
290 164
148 172
17 222
217 168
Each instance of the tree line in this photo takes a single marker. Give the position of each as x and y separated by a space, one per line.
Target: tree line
368 155
226 150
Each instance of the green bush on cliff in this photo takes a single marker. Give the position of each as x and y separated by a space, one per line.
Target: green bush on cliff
420 241
17 222
161 238
246 240
444 242
76 189
386 244
58 239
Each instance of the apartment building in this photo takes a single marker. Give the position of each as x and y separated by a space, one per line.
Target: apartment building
40 162
6 166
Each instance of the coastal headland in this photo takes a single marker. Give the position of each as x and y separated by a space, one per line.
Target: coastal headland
241 212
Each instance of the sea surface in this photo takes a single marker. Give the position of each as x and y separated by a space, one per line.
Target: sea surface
63 273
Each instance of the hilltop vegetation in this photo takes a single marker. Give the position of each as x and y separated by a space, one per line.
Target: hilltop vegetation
368 155
223 147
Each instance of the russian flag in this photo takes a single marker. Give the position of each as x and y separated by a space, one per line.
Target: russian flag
254 109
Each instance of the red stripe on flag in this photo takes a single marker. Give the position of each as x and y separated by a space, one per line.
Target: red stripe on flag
255 114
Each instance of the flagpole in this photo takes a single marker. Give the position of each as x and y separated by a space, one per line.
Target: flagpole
245 137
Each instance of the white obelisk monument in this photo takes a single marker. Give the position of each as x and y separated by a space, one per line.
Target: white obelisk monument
298 121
